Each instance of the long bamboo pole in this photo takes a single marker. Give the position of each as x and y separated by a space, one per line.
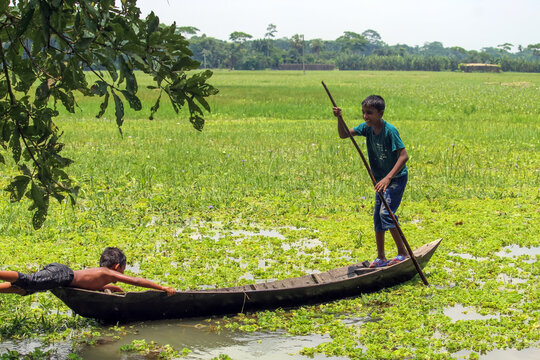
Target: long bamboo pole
381 196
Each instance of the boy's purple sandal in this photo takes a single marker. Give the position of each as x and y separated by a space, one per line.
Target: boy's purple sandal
378 263
397 260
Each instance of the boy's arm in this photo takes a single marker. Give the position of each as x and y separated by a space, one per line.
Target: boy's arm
341 127
400 163
143 283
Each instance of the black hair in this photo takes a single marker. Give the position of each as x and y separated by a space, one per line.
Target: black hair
374 101
112 256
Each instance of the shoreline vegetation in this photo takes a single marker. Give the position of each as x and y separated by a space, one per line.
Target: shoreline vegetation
194 209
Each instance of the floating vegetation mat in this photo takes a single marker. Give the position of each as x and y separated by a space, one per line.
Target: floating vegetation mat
268 191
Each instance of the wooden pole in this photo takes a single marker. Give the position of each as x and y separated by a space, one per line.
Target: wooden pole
381 196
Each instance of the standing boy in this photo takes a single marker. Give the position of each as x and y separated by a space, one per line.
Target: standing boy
387 158
112 265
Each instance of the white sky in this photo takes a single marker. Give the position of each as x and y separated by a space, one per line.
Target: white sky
471 24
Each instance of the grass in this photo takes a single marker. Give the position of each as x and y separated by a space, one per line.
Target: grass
269 158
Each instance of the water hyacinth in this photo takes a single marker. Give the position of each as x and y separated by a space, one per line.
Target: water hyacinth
215 214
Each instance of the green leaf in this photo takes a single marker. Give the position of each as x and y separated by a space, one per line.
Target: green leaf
19 114
25 170
133 100
173 102
17 187
103 106
45 12
15 145
27 74
39 217
84 43
194 108
203 102
153 23
107 60
73 194
38 195
126 72
99 88
26 19
90 21
119 110
77 24
197 121
3 89
155 108
67 100
137 60
56 3
42 93
4 4
185 63
131 83
60 174
91 9
7 130
73 77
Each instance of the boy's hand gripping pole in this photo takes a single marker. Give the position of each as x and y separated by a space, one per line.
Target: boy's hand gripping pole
380 193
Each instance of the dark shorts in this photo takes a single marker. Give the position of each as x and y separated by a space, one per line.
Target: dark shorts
50 277
393 194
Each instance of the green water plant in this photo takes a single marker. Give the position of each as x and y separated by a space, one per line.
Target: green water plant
152 350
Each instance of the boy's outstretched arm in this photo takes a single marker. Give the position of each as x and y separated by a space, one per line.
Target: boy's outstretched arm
142 283
341 127
400 163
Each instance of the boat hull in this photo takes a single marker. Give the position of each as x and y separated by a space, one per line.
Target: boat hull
335 284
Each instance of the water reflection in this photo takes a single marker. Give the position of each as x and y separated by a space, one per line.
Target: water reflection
204 343
460 312
507 251
516 250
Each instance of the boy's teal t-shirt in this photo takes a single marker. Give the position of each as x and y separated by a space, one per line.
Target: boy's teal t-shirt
382 149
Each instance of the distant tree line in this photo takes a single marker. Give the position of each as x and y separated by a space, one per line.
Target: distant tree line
350 51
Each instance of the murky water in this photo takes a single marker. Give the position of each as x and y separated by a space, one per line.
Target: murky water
460 312
516 250
197 336
207 344
511 251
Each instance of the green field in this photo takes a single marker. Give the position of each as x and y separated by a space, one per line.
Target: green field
269 159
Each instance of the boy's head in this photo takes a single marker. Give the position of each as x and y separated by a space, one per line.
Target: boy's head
374 101
112 256
373 109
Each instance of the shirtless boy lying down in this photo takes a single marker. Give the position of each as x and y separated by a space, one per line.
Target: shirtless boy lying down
112 265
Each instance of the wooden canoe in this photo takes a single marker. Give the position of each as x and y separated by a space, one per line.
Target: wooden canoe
339 283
